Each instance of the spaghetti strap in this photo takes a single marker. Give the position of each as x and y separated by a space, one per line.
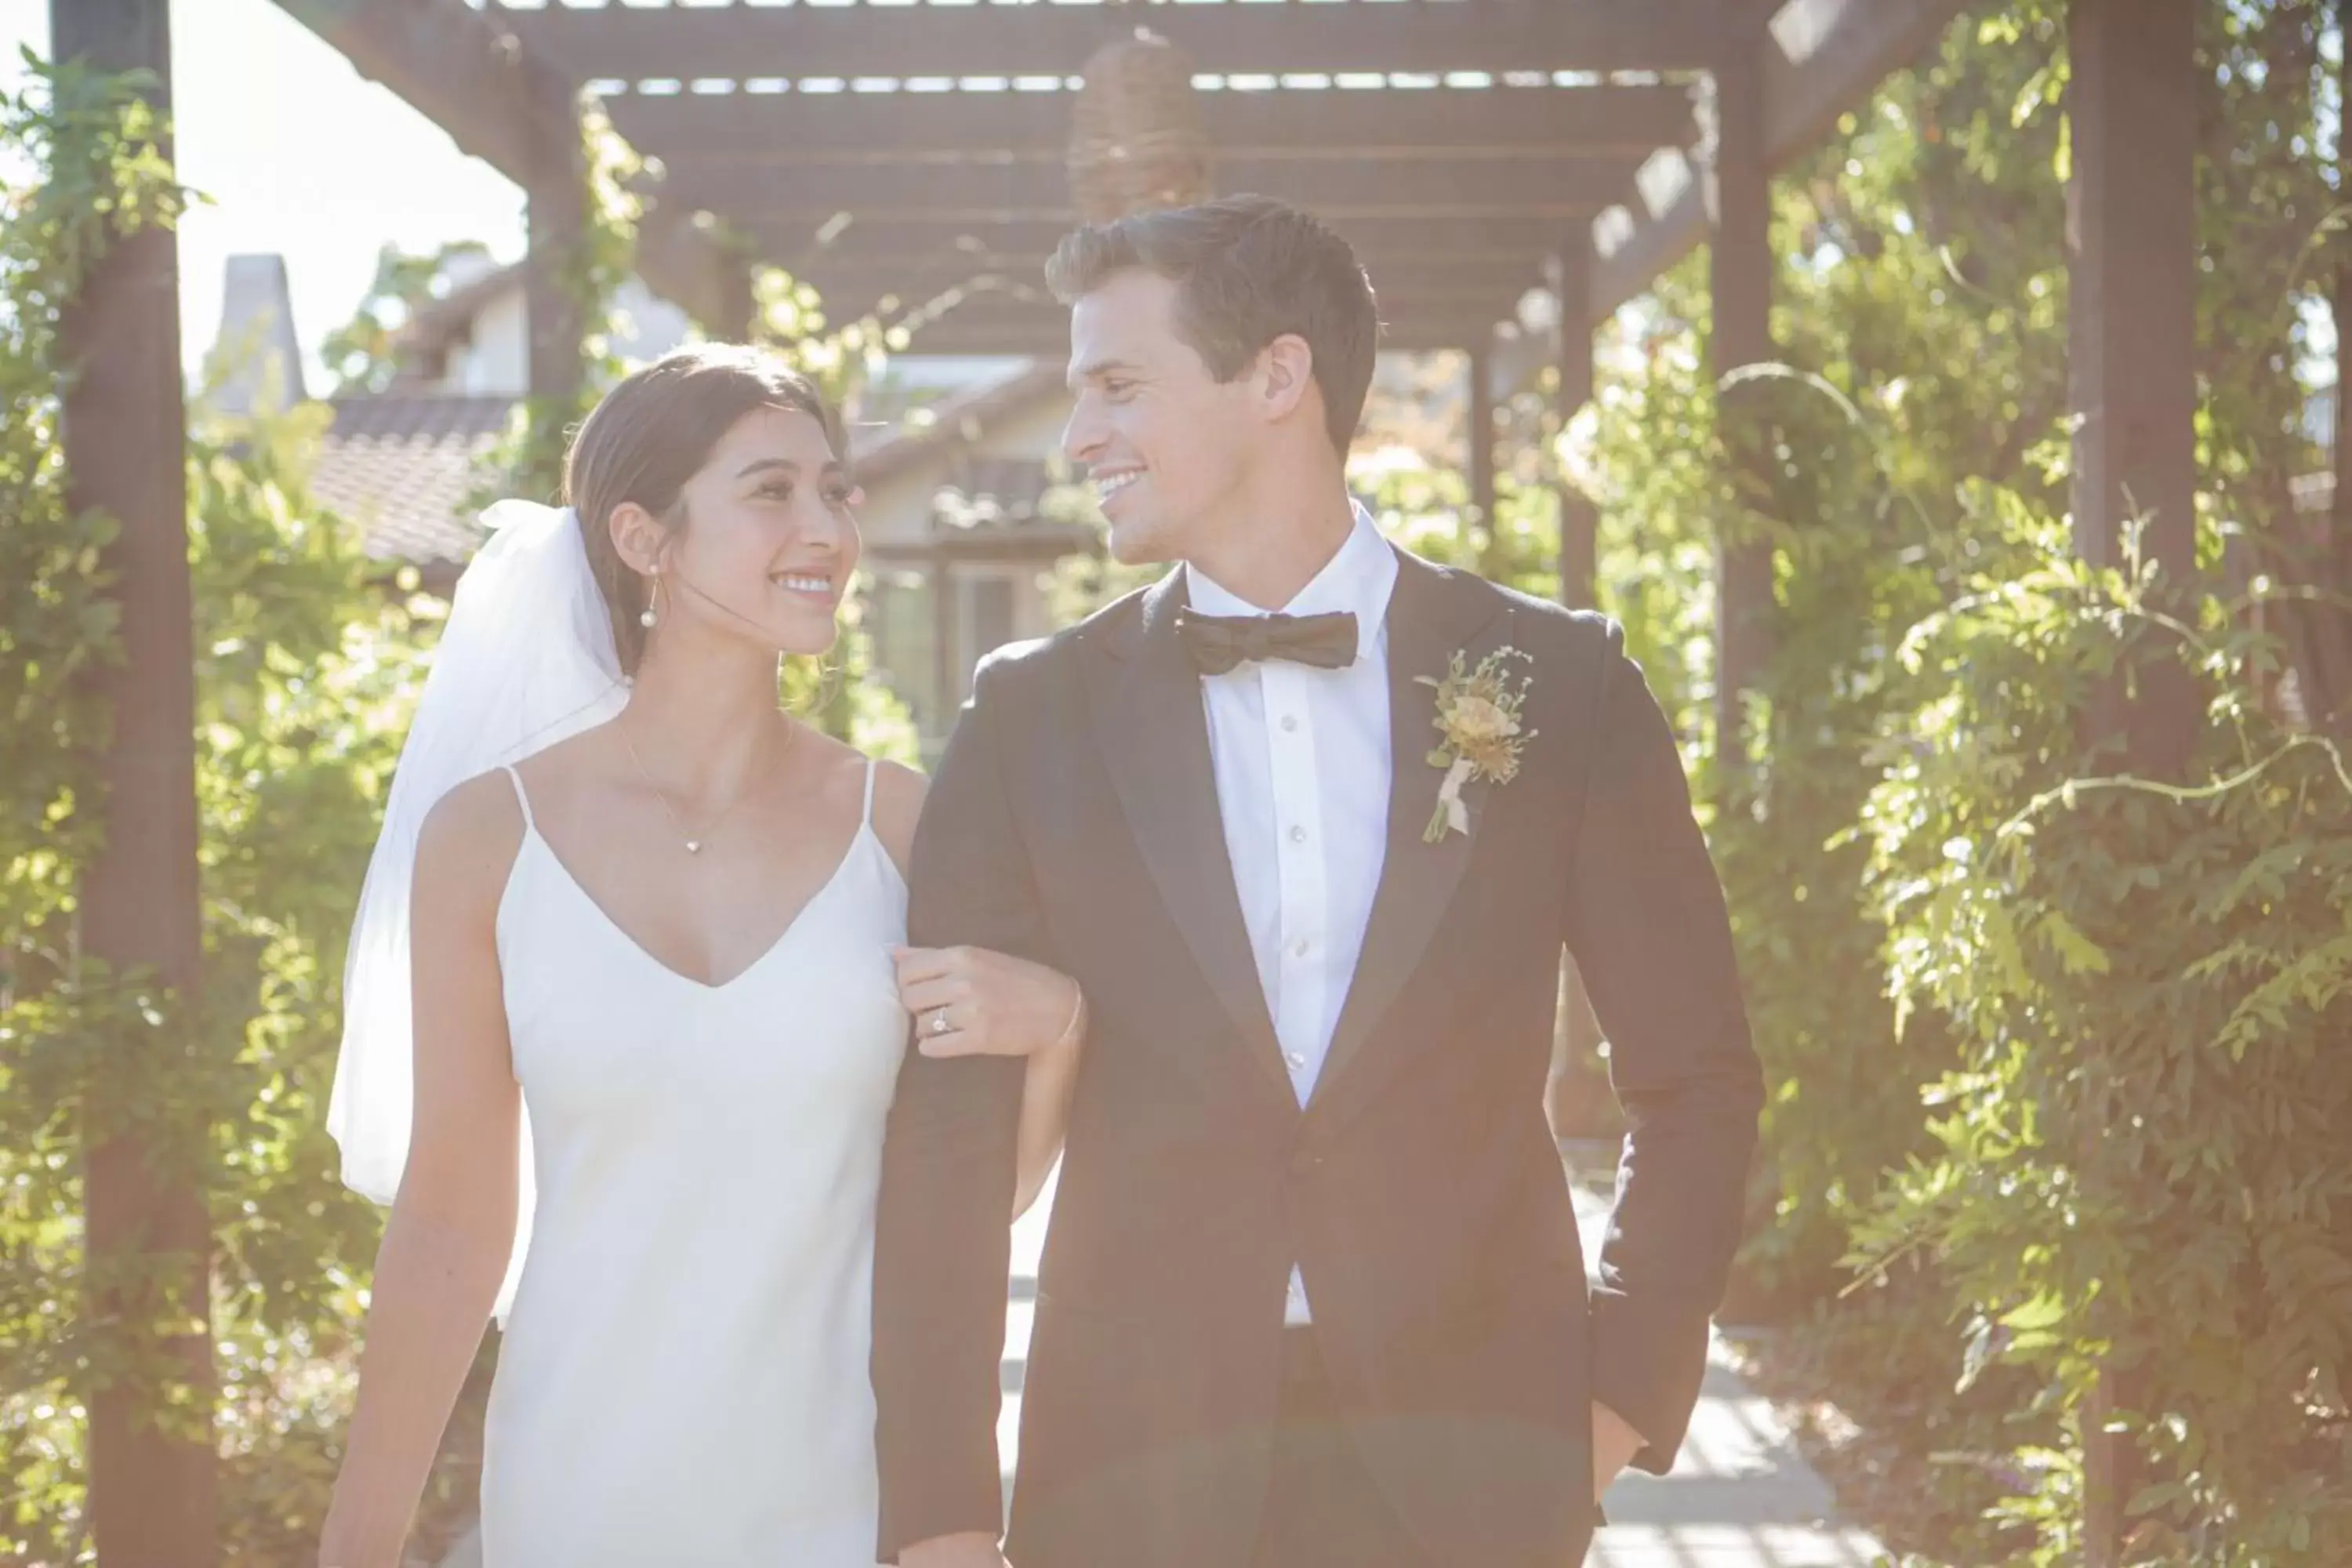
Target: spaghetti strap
868 820
521 795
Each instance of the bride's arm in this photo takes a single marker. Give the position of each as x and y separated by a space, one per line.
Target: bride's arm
446 1245
998 1006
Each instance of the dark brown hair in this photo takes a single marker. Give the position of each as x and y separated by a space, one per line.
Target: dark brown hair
1247 269
654 432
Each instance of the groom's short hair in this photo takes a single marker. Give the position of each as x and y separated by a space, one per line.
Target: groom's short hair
1247 269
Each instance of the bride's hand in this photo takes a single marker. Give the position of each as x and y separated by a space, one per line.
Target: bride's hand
969 1001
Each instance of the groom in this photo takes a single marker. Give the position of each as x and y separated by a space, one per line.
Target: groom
1312 1293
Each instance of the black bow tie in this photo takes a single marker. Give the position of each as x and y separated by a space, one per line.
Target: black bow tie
1221 643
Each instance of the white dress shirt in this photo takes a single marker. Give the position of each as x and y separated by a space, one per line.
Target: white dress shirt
1302 763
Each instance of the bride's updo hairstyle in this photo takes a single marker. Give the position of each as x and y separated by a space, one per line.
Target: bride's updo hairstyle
654 432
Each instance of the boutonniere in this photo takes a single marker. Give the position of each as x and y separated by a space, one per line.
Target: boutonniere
1479 713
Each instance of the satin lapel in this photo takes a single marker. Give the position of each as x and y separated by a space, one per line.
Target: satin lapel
1431 618
1154 733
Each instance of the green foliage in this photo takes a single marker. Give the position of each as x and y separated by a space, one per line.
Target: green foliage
2139 1160
2053 1073
305 672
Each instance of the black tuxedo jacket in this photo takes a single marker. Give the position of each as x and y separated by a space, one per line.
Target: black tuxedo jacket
1074 821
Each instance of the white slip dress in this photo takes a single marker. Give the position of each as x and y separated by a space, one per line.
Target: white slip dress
683 1379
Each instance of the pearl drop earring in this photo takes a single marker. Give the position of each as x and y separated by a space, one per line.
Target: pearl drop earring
647 619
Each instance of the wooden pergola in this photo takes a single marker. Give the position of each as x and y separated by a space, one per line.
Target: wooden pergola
909 159
906 158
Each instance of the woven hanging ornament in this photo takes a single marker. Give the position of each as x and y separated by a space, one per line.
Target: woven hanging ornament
1137 142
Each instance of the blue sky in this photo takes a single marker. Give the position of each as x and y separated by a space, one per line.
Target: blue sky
300 156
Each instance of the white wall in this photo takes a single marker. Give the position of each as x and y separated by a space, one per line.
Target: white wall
496 361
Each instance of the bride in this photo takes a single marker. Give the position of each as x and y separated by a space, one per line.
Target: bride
630 963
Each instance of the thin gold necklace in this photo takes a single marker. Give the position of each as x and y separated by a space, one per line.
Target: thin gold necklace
695 842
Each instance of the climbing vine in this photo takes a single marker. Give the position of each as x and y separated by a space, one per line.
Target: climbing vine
304 667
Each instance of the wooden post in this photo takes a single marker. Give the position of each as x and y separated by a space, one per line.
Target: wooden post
2132 274
1576 1098
738 321
2132 259
949 670
2330 704
1739 206
124 427
1571 284
1481 439
557 198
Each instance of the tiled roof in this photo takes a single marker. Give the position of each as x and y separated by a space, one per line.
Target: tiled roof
402 466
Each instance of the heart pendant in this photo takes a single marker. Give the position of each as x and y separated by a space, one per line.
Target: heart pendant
694 845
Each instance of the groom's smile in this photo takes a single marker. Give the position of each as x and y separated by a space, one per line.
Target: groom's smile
1113 483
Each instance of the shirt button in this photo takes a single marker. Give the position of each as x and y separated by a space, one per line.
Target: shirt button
1299 835
1297 1063
1289 722
1301 948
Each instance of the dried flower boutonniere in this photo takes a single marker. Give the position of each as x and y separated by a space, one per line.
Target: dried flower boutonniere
1479 713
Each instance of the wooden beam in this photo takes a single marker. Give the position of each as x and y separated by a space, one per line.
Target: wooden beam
1482 303
958 41
1550 188
1047 337
1471 318
500 103
913 278
1822 59
794 242
796 130
453 66
152 1498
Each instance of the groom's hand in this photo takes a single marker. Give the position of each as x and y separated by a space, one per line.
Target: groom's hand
971 1550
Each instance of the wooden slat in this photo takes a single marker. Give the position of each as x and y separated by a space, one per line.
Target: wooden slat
1552 188
867 128
901 41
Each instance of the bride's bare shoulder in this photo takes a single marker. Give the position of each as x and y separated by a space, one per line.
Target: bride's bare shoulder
470 839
